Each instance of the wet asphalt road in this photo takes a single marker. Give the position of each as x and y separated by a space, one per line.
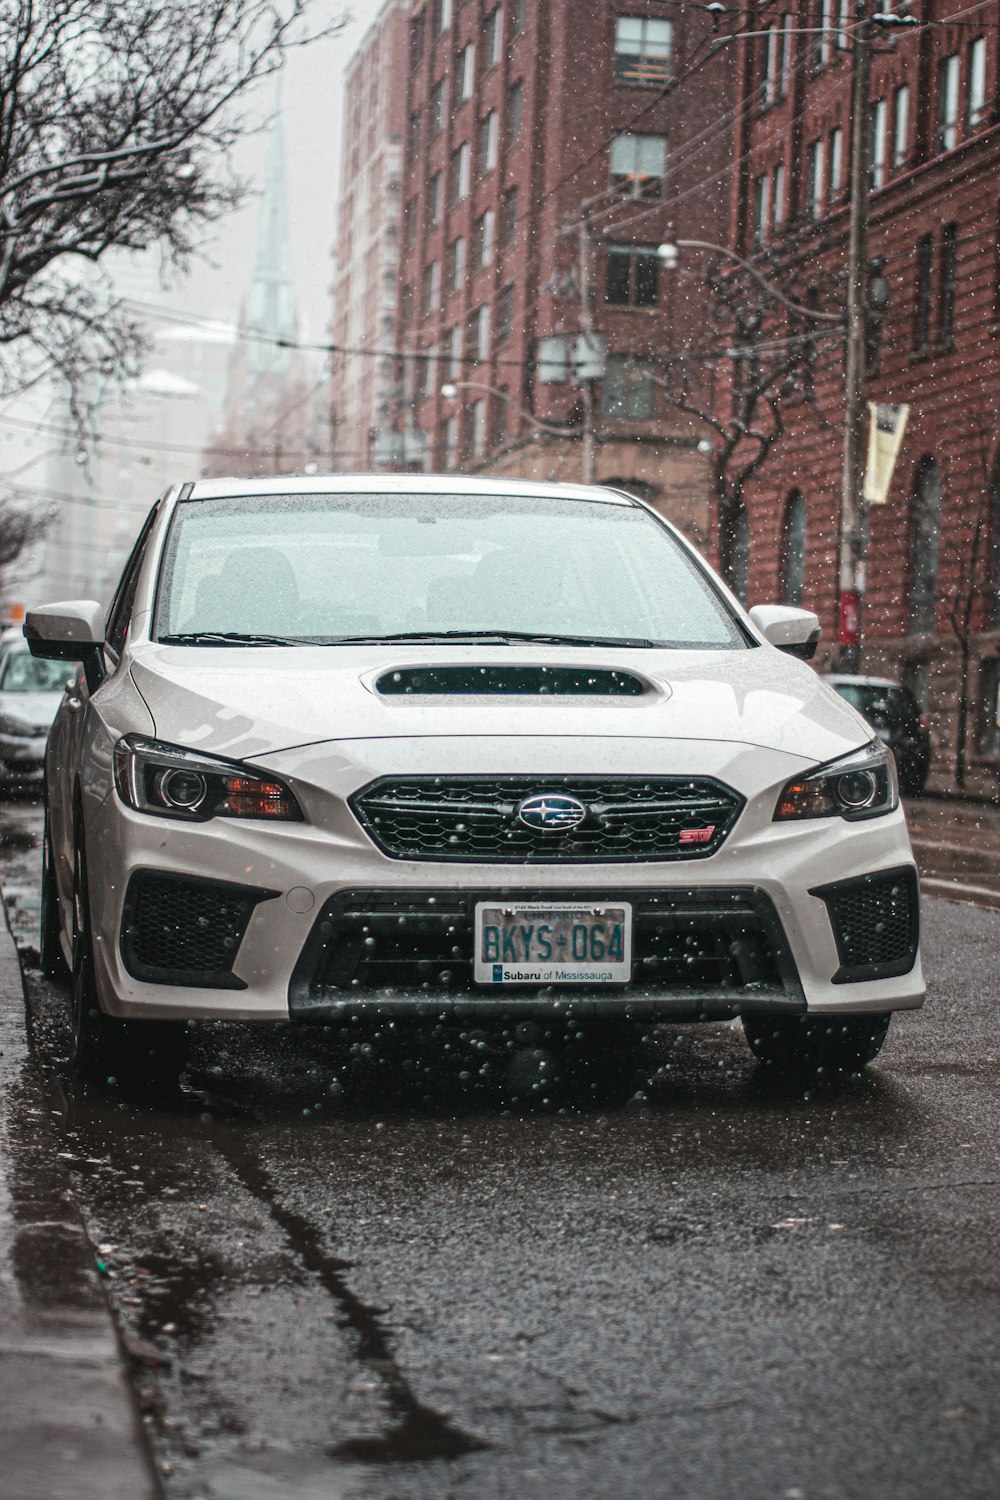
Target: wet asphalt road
376 1281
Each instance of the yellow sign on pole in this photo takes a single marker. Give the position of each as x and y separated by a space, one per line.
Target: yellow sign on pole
885 435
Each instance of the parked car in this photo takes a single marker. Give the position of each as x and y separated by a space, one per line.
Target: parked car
897 719
401 746
30 693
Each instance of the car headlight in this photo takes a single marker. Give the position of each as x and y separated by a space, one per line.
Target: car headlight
176 783
860 785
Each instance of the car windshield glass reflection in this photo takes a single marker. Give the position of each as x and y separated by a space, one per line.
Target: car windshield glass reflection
328 568
28 674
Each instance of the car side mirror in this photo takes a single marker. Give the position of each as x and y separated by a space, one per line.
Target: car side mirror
796 631
69 631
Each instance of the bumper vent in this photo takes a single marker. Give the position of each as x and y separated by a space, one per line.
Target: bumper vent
876 924
185 931
475 819
397 951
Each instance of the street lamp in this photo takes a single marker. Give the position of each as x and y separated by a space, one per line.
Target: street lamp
669 257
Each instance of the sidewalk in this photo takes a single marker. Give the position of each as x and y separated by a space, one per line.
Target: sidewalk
69 1428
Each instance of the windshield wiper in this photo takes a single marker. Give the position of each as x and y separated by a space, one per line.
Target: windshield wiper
488 637
227 638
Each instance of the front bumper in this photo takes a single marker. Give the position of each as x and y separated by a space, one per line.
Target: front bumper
298 876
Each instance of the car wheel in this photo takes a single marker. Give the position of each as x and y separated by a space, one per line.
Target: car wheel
53 965
102 1048
829 1045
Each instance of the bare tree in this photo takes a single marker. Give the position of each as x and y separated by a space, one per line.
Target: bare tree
739 378
116 122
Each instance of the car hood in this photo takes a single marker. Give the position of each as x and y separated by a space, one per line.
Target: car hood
247 702
34 710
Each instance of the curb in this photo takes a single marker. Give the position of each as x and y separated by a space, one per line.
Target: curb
69 1426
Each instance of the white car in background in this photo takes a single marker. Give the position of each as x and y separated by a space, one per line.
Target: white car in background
390 746
30 692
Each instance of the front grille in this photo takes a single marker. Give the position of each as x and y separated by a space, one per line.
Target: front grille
481 681
388 947
876 924
184 930
474 818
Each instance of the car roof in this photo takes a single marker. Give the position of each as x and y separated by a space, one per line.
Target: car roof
400 484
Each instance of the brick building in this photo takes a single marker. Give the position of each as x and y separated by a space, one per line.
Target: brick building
545 142
365 288
932 607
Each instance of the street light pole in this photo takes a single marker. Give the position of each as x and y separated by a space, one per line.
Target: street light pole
853 516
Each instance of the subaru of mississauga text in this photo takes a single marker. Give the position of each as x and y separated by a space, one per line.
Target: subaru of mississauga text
408 746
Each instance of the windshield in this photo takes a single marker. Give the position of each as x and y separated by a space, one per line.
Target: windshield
330 567
22 673
881 706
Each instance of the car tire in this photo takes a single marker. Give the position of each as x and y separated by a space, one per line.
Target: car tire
104 1049
50 954
828 1046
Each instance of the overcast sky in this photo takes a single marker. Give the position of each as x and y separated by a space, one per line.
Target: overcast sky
313 91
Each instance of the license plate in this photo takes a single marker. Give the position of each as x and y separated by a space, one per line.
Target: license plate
536 942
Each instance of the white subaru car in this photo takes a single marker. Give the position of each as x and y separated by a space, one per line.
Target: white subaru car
389 746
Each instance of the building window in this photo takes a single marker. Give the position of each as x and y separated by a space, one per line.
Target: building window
793 550
494 37
761 195
409 223
900 125
413 133
508 217
987 729
925 544
633 276
480 319
836 163
455 352
499 402
451 442
479 418
434 200
975 112
520 16
844 8
515 110
639 164
483 231
432 286
949 264
406 306
785 75
465 72
778 197
461 172
435 107
627 390
456 265
488 141
505 314
947 101
642 50
876 145
442 15
770 66
823 41
814 179
922 292
430 372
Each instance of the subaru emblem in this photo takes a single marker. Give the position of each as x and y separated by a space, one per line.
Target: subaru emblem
551 812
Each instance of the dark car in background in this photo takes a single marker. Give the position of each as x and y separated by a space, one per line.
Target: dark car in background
897 719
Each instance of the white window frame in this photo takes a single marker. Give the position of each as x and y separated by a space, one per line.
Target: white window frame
444 16
976 111
455 351
495 36
631 153
487 236
761 208
457 252
480 420
490 133
878 118
483 331
836 161
778 196
949 69
466 71
663 56
815 157
900 124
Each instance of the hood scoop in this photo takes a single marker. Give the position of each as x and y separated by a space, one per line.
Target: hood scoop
510 681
